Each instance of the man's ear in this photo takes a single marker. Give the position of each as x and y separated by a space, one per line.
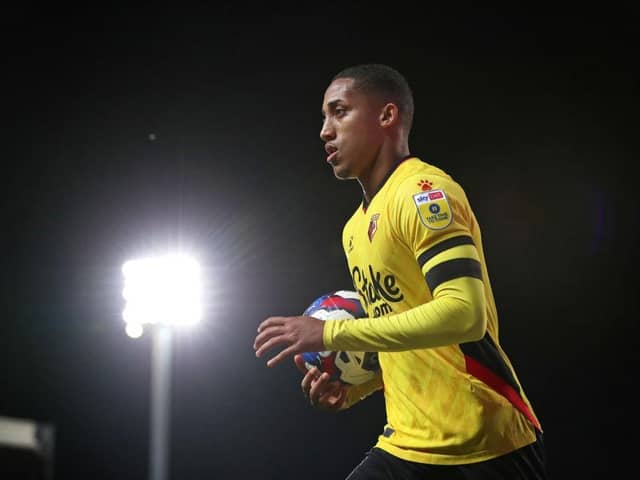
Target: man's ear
389 115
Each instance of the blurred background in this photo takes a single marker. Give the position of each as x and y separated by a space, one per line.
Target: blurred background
133 130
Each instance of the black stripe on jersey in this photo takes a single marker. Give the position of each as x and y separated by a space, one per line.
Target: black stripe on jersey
450 269
486 353
442 246
484 361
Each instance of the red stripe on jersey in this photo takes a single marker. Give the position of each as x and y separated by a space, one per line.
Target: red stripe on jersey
481 372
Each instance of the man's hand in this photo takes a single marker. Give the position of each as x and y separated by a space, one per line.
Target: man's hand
296 334
319 390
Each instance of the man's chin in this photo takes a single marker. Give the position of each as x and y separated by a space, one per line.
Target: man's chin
341 173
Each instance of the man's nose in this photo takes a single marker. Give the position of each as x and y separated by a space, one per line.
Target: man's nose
326 132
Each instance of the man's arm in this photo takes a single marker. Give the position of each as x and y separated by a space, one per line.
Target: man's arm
455 315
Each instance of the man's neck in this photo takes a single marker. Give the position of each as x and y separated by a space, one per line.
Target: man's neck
380 169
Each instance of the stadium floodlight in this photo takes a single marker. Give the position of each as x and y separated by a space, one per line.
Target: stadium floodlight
164 292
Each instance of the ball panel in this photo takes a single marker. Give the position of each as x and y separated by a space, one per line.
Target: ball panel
344 303
348 367
323 361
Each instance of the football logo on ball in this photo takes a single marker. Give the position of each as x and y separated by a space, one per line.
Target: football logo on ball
351 368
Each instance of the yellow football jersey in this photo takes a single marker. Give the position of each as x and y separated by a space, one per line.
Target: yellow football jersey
445 404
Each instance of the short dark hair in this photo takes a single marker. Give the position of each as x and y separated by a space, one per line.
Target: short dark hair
385 81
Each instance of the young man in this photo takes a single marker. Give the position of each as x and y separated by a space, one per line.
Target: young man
455 407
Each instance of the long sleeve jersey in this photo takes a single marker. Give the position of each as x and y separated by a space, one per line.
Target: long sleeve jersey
415 256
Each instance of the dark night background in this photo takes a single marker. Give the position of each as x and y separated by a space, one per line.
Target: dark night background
533 112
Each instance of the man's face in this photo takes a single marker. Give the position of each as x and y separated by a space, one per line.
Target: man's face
351 129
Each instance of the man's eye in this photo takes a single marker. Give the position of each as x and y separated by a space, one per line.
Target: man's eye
339 111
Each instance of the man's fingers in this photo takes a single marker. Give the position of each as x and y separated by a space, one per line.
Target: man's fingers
266 334
291 350
269 322
294 334
299 361
322 392
318 387
333 398
269 344
309 378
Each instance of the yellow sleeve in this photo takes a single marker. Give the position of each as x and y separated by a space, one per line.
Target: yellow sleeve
455 315
356 393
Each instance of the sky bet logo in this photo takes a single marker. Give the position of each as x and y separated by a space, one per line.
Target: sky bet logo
427 197
433 209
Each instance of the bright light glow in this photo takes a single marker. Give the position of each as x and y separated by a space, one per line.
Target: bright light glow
165 290
134 330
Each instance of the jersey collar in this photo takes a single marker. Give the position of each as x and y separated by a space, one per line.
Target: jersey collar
393 168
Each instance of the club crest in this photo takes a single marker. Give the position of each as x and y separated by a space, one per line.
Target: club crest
373 226
433 209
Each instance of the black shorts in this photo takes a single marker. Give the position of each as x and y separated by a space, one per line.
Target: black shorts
527 463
